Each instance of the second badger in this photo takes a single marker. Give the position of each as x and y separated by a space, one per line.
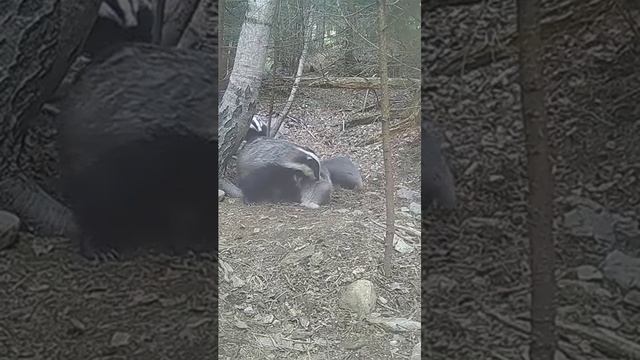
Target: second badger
273 170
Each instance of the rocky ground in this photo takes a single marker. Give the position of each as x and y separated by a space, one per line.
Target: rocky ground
285 268
476 275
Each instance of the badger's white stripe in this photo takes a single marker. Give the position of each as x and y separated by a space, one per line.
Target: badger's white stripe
107 12
305 169
130 12
310 155
123 12
256 125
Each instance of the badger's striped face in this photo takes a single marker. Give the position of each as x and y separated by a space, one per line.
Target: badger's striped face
123 12
311 161
257 126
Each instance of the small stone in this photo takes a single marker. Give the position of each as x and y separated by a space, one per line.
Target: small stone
359 297
623 269
221 194
120 339
588 273
415 208
606 321
632 298
415 352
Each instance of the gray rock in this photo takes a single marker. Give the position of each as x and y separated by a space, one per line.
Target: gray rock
585 221
606 321
633 298
588 273
624 270
359 297
9 225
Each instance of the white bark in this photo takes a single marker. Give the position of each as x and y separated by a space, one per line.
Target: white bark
240 99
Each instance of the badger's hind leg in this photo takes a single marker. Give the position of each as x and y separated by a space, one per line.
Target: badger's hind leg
128 200
270 183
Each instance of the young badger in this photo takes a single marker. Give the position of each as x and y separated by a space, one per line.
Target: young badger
120 21
138 138
274 170
344 172
257 129
437 181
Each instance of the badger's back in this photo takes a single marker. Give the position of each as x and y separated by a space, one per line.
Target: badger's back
138 147
137 92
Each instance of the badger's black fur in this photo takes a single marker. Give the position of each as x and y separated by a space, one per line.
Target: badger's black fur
438 185
273 170
344 172
272 184
138 150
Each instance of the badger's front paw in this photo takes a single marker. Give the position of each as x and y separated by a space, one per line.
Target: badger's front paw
310 205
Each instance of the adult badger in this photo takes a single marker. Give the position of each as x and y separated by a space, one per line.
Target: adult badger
138 142
120 21
273 170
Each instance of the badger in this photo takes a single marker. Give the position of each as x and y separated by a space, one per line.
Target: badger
120 21
314 193
274 170
137 134
257 128
343 172
438 185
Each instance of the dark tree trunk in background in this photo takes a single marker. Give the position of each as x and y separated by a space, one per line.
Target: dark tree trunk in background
321 21
387 151
158 21
540 196
202 31
177 15
38 43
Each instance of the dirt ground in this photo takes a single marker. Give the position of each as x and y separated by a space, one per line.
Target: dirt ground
284 266
476 280
56 305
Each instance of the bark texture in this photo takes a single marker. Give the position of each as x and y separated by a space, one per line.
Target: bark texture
240 99
38 43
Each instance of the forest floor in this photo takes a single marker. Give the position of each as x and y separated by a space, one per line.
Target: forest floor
284 267
476 302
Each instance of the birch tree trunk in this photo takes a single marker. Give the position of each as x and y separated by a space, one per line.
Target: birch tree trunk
38 42
240 99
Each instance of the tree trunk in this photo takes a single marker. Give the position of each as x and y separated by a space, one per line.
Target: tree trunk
202 32
177 15
386 138
158 21
222 51
321 21
42 44
240 99
540 196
